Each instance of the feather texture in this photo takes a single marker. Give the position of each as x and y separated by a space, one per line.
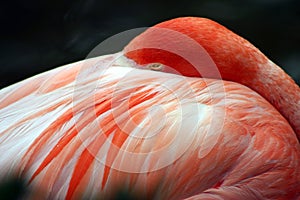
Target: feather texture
164 135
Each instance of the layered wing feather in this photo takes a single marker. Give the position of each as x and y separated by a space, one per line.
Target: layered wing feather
88 128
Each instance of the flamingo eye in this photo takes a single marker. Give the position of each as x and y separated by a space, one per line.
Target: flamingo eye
156 66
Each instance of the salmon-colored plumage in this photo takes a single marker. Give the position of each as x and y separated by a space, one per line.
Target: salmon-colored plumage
215 120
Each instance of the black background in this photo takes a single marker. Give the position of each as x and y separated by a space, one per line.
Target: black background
40 35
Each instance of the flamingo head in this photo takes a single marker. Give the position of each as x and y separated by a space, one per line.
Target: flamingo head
195 47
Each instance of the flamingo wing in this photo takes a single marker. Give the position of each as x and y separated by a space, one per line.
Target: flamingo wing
86 129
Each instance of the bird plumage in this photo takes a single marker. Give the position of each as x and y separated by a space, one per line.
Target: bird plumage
89 128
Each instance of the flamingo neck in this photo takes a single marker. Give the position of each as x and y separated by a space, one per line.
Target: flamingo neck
250 67
271 82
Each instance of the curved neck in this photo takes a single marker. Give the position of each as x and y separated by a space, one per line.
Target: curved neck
270 81
240 61
281 91
252 68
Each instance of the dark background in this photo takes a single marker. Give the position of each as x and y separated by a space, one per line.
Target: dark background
40 35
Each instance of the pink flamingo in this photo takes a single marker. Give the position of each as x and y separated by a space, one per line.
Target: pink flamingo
85 130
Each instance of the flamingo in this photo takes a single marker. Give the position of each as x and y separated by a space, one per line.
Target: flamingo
188 110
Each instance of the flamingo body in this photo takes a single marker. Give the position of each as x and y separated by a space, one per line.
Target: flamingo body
86 129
